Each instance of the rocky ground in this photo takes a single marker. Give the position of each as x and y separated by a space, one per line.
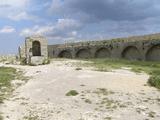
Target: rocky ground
116 95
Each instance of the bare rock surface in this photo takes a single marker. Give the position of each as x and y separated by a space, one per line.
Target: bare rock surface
117 95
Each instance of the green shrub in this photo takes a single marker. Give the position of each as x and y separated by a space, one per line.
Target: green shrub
72 93
154 81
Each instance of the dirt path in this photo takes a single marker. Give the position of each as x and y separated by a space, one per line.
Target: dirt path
119 95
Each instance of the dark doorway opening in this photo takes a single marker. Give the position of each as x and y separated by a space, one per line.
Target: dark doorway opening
36 48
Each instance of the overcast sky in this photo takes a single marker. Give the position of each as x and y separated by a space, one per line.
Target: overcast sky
75 20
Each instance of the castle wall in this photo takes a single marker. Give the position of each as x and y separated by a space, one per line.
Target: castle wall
132 48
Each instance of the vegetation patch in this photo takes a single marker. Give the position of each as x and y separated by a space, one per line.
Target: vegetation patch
154 80
7 74
72 93
78 69
151 68
46 61
88 101
31 117
103 91
108 118
102 99
23 61
151 114
1 118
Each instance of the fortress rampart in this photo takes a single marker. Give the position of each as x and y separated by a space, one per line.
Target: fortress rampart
133 48
36 49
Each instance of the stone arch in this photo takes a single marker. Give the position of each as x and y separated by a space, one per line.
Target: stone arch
65 54
153 54
36 48
83 53
131 53
102 53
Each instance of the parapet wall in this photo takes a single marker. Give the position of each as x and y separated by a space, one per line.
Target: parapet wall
133 48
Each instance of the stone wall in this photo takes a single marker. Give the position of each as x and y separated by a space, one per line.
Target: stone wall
34 49
133 48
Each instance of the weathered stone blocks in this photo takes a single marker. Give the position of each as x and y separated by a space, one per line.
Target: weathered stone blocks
35 50
133 48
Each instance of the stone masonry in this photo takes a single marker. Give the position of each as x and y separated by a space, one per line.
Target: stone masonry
35 50
143 48
133 48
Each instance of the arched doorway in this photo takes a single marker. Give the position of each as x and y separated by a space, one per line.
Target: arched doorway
131 53
36 48
65 54
102 53
83 53
153 53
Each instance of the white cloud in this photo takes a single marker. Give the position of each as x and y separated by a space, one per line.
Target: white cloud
62 30
74 33
7 29
14 3
67 23
61 27
23 16
40 30
13 7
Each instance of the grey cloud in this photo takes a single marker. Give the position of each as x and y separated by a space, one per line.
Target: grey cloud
118 10
62 30
110 18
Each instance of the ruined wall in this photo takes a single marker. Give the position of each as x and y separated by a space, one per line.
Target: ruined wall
42 52
154 53
132 48
34 51
131 53
102 53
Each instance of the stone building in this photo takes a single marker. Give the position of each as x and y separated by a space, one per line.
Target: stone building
35 50
143 48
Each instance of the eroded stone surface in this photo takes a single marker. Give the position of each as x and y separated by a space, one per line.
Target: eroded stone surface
117 95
